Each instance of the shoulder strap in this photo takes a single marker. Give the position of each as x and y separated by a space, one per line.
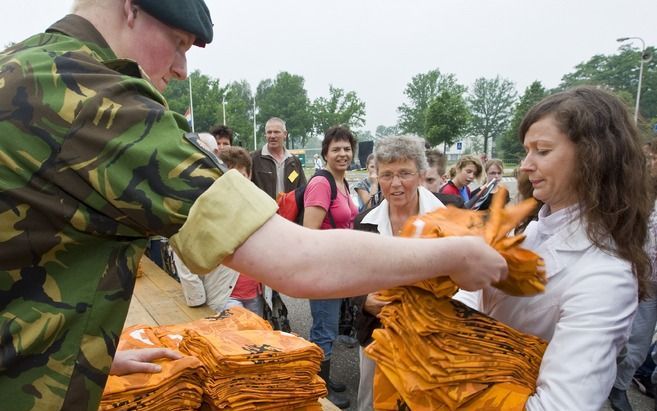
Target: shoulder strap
334 191
327 175
194 139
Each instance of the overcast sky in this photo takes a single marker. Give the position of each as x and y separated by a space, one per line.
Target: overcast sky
375 47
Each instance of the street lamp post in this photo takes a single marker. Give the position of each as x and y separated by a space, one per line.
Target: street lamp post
255 144
644 59
223 103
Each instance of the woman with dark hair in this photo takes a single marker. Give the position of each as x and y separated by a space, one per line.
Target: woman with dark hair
321 212
585 163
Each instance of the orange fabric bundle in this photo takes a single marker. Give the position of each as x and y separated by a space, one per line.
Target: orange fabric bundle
234 361
234 319
176 387
261 369
434 353
526 269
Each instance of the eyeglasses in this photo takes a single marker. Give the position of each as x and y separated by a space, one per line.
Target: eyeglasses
402 175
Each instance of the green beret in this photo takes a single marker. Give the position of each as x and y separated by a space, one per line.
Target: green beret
191 16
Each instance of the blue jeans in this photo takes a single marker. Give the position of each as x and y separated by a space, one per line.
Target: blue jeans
638 346
326 319
255 305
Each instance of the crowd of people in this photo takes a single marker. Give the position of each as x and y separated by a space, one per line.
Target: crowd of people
93 163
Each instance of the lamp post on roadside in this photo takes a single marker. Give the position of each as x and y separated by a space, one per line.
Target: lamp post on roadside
645 58
255 144
223 103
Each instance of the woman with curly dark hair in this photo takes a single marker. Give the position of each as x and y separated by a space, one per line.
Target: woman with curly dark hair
585 163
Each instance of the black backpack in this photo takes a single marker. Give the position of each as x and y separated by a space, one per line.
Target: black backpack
290 205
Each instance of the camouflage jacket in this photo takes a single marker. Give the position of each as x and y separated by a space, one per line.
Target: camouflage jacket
92 163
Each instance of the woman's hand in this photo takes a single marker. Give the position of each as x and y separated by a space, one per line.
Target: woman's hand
139 360
373 305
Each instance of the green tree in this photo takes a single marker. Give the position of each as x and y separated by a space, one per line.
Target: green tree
239 112
491 105
206 96
364 135
446 118
383 131
285 97
420 92
339 108
509 145
620 72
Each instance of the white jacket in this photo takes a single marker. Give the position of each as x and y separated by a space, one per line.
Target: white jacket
585 313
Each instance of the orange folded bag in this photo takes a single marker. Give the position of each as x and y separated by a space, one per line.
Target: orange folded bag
434 353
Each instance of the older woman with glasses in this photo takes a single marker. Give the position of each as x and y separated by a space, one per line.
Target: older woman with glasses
401 165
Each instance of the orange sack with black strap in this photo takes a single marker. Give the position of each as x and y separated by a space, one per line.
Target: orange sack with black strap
435 353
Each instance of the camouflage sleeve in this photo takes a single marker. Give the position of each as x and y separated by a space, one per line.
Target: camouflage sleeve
130 150
232 198
104 146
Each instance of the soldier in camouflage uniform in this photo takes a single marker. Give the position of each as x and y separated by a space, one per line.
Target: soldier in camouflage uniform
92 163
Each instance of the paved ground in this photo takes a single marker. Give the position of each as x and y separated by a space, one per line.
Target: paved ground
639 401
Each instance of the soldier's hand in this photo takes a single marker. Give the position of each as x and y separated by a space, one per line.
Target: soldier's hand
139 360
480 267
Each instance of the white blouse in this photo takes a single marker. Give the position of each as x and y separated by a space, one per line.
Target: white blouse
585 313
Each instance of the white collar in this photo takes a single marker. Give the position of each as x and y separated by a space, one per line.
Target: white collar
565 226
554 233
265 152
380 216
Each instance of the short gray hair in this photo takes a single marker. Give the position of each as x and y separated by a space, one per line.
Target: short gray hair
276 120
392 149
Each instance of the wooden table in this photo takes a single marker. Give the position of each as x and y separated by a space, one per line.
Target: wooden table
158 300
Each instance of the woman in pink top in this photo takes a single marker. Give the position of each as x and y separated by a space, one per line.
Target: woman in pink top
322 213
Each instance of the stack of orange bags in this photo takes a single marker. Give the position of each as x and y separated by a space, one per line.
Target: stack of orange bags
258 369
233 361
177 387
434 353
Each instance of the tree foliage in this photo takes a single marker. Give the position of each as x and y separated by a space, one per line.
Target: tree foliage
491 105
420 92
509 145
364 135
206 96
339 108
446 117
383 131
239 113
285 97
620 72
